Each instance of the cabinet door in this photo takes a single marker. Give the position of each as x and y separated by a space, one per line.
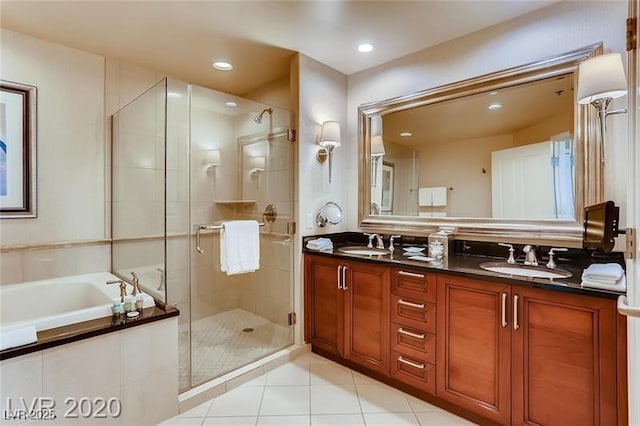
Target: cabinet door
473 344
564 359
324 307
367 315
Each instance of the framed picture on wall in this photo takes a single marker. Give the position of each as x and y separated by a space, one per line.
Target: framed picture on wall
17 150
386 205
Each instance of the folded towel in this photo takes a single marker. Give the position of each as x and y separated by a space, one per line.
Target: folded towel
320 244
620 285
13 337
603 273
239 247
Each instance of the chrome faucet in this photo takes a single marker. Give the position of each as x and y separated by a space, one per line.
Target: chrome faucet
123 288
379 241
530 255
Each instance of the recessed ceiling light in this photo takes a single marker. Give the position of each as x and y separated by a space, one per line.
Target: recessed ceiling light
365 48
406 134
173 95
222 66
495 106
231 104
493 93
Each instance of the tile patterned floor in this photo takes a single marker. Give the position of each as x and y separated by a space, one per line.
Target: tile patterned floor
312 390
219 344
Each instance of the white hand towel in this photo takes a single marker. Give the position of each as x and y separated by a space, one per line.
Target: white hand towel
424 197
320 244
620 285
439 196
13 337
606 273
239 247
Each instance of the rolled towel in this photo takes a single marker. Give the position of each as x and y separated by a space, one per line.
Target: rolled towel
620 285
13 337
604 273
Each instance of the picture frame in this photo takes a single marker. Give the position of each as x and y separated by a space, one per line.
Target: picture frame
386 205
18 134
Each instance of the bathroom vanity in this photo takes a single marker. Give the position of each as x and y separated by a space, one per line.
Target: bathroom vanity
495 348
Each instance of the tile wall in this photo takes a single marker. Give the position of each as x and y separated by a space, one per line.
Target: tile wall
138 366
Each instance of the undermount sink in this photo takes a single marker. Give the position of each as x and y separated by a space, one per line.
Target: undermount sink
363 251
524 270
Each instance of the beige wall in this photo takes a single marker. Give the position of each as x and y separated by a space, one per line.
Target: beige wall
553 30
71 158
544 130
459 165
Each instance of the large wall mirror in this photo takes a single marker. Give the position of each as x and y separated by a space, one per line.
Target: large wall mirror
509 154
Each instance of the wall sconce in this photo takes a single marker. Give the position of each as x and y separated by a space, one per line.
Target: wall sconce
377 147
600 80
212 160
258 164
329 140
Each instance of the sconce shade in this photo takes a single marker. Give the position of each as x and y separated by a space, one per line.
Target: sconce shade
212 158
601 77
330 135
377 145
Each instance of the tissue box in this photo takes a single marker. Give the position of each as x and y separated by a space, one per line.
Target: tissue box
446 239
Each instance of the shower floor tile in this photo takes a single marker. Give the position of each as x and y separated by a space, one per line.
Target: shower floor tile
219 344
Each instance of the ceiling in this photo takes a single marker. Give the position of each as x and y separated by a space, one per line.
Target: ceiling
182 38
469 117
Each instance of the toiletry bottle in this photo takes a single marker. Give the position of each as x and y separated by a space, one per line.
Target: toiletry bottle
116 309
128 303
139 302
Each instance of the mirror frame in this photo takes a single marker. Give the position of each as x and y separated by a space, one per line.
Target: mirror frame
589 189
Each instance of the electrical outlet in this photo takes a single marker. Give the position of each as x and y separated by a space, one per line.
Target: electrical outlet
309 220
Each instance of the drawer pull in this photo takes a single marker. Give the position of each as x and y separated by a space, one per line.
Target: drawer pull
410 274
408 333
413 305
413 364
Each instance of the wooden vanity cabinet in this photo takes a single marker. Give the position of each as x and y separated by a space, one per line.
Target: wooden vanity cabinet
474 354
563 359
347 310
526 356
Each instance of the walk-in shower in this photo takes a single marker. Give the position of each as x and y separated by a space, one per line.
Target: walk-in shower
182 165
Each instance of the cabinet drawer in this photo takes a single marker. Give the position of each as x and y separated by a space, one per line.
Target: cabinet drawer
413 341
414 313
414 284
413 371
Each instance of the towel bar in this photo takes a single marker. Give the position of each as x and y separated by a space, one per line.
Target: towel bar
209 228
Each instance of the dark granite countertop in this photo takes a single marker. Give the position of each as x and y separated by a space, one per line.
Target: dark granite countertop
467 265
86 329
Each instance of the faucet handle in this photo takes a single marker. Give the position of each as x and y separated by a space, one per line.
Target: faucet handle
371 237
511 260
552 264
135 281
391 238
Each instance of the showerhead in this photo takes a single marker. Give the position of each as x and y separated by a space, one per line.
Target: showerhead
258 118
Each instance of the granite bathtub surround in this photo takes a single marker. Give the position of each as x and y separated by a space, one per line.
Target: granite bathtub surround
136 366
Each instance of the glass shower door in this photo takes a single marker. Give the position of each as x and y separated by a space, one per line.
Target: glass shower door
241 166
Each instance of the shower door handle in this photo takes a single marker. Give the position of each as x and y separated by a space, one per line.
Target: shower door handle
198 240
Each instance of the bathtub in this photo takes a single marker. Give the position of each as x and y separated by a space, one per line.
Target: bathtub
62 301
